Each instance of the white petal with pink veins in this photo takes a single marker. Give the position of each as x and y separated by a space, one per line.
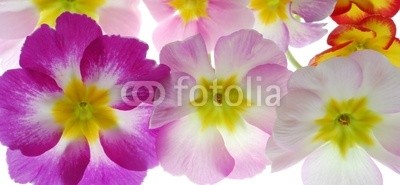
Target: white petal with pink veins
327 166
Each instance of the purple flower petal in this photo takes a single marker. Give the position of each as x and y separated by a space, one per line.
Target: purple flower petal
189 56
58 53
112 60
243 50
132 145
25 112
313 10
61 165
101 170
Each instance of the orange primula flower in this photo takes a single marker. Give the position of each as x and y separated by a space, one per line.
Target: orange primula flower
375 32
354 11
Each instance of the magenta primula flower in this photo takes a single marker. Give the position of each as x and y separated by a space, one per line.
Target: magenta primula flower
338 116
63 117
180 19
221 129
282 20
19 18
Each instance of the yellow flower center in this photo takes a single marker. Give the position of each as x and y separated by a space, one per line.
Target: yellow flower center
220 103
347 124
51 9
83 111
270 11
190 9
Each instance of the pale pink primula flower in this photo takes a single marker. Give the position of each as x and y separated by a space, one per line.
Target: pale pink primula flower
339 116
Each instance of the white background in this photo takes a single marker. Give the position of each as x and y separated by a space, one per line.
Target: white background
291 176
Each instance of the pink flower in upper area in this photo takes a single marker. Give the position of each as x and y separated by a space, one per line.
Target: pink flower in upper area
180 19
215 122
338 116
62 114
19 19
280 20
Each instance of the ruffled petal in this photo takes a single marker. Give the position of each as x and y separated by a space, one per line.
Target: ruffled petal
189 56
241 51
277 32
247 146
176 100
26 120
380 81
353 16
17 23
272 80
384 28
101 170
58 53
342 6
387 8
327 166
340 50
132 144
64 164
313 10
392 53
184 148
120 20
345 33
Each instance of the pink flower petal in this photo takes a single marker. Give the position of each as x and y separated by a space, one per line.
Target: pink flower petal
277 32
327 166
64 164
10 50
260 79
302 34
241 51
123 21
18 23
58 53
171 30
101 170
112 61
159 9
132 144
220 23
26 119
313 10
247 147
184 148
176 100
189 56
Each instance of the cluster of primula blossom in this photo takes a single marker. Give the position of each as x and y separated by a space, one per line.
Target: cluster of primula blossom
85 105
